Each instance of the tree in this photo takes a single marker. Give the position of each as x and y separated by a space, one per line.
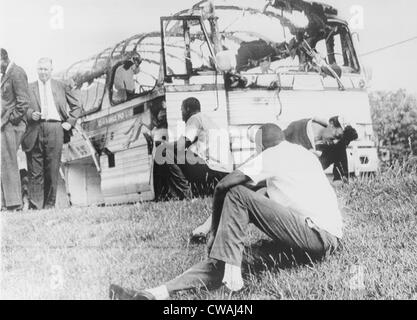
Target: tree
394 115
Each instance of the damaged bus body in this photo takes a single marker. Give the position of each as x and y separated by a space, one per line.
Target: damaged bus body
274 61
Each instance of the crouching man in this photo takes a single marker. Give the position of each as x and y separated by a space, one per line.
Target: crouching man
328 141
200 158
299 212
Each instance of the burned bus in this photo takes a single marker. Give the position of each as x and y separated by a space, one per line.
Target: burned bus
248 62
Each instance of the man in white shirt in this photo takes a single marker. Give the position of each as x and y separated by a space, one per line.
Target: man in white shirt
53 111
202 157
301 213
124 79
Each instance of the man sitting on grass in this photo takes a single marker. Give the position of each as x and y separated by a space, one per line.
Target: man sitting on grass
198 158
301 212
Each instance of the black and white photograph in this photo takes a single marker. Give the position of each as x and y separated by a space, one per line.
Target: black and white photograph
236 150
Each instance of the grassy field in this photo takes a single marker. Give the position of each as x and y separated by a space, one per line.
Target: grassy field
76 253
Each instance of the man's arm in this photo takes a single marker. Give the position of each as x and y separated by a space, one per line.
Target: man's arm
21 90
73 101
31 109
193 126
231 180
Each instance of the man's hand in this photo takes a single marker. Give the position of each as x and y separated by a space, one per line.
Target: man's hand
36 116
66 126
316 153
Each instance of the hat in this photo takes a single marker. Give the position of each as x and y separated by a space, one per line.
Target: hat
340 122
136 58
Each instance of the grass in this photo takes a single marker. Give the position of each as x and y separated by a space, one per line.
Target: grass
76 253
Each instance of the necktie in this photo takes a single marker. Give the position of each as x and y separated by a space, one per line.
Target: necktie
45 102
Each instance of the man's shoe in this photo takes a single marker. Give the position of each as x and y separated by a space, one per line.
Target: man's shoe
118 293
15 208
200 238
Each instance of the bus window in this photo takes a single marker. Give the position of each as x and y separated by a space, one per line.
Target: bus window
131 81
338 49
91 93
186 48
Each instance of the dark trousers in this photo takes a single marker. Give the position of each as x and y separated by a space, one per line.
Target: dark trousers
288 231
43 163
335 154
11 137
185 175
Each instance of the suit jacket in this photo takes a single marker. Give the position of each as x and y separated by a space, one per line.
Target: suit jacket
14 96
68 106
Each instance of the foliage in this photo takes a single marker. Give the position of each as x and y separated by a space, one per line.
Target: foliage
394 115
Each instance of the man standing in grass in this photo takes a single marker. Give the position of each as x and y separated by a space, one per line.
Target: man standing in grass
14 104
52 114
300 212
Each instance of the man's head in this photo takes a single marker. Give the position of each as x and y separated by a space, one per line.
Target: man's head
268 136
349 134
334 130
189 107
45 69
4 60
133 62
162 118
136 60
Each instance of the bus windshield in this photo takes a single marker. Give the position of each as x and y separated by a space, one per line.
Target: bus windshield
266 38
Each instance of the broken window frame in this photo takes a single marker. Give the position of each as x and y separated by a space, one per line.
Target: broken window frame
190 70
350 58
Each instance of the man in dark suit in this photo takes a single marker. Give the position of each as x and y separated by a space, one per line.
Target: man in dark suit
49 127
14 104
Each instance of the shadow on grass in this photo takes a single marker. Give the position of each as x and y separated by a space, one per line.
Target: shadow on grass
262 256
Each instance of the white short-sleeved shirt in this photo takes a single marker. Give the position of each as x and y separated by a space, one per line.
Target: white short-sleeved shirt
310 134
209 142
123 81
295 179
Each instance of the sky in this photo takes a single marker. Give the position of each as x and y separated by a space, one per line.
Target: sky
71 30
